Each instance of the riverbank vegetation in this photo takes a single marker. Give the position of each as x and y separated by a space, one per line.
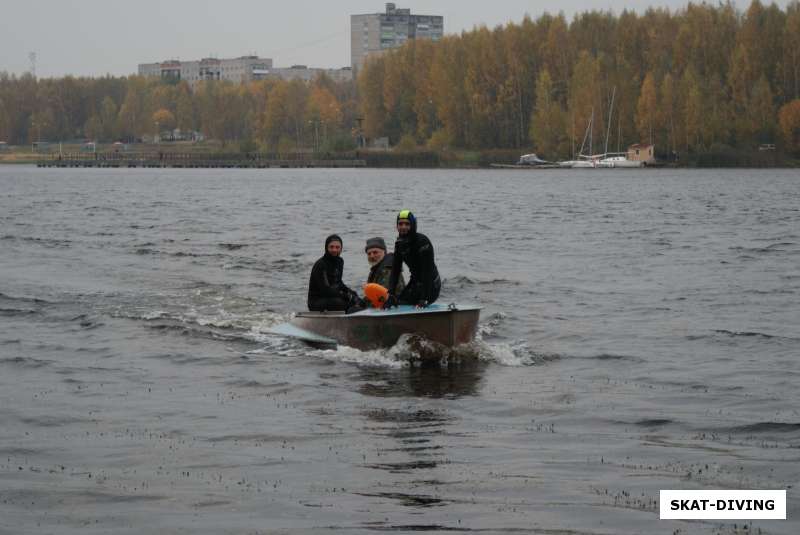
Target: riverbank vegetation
707 84
705 79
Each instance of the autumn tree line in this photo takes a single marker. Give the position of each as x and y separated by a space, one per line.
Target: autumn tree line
685 81
688 81
275 115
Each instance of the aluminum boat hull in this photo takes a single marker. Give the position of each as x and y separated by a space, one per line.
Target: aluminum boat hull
372 329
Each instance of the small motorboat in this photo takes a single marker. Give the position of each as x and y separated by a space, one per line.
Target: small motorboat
532 160
373 328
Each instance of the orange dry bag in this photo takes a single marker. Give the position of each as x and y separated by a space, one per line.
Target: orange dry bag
376 294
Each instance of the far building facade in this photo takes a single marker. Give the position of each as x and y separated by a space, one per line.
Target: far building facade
374 33
238 70
302 72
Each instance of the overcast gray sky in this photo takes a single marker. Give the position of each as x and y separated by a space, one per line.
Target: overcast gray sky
95 37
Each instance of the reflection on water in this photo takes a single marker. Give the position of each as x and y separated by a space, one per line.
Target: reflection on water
410 441
431 379
414 439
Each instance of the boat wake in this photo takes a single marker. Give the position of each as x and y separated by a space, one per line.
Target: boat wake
409 351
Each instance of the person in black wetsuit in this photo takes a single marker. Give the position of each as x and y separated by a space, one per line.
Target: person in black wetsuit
416 250
326 291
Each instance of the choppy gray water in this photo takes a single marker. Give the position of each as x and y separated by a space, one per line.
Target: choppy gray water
640 331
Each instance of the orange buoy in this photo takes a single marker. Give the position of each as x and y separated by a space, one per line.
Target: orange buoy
376 294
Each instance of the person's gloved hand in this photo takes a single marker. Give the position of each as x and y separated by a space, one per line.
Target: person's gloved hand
348 295
390 302
422 304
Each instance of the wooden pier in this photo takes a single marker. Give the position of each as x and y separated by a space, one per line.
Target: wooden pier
193 161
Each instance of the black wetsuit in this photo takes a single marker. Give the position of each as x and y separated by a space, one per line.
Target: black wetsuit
326 291
416 250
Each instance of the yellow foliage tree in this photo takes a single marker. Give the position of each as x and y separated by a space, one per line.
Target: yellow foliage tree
693 110
585 101
789 122
647 108
163 119
548 128
370 88
323 105
791 49
668 112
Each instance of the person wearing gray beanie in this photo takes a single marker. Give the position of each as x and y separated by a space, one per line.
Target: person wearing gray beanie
375 243
381 264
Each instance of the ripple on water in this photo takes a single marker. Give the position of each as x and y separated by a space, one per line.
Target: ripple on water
26 362
14 312
232 246
263 438
653 422
44 242
403 467
185 359
52 420
744 333
409 500
462 281
407 417
766 427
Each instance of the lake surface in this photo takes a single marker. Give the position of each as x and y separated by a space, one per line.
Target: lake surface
640 331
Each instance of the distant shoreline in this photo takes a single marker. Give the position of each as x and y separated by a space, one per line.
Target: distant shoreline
508 169
154 156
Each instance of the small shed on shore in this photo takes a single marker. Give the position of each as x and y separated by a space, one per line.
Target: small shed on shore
642 152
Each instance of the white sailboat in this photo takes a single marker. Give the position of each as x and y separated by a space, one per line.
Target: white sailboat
583 161
618 160
615 159
607 159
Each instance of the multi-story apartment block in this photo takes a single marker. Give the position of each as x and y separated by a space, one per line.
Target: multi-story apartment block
375 33
302 72
238 70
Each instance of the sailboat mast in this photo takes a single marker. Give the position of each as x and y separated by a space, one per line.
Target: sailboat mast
610 115
572 133
586 134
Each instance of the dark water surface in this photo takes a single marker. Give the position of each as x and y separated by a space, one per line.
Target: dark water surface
640 331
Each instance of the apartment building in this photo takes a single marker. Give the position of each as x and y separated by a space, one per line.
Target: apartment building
302 72
374 33
237 70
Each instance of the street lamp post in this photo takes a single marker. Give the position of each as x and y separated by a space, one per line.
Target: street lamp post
359 133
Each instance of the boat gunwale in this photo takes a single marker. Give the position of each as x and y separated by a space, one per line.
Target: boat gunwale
338 314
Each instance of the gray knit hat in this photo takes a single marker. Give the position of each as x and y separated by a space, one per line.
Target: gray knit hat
373 243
